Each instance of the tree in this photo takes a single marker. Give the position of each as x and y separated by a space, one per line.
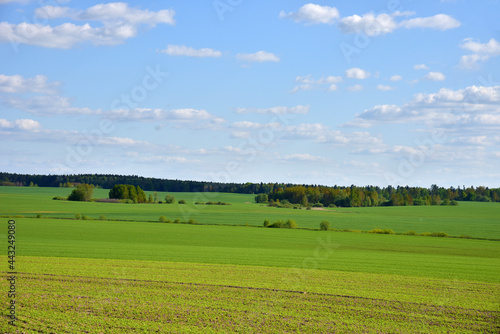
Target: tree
151 200
291 224
82 193
169 199
324 225
261 198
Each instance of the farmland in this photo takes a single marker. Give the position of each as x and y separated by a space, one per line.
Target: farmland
129 273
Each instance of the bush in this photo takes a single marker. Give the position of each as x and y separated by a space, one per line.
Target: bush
162 219
324 225
332 206
410 233
84 217
453 203
291 224
38 216
59 198
177 221
77 216
267 223
261 198
102 217
181 201
380 231
193 222
199 203
439 234
278 224
169 199
318 205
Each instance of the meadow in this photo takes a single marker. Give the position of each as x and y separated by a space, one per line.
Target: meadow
129 273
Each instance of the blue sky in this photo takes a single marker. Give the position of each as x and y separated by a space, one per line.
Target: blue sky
328 92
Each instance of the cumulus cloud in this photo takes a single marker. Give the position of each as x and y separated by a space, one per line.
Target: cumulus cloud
47 105
381 24
299 109
313 14
19 84
481 52
20 124
420 67
258 57
474 105
439 22
182 50
356 73
435 76
308 83
396 77
145 114
119 22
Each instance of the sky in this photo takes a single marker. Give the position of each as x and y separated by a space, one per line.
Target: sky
393 92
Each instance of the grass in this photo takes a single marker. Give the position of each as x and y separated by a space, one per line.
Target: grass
391 254
480 220
122 271
118 296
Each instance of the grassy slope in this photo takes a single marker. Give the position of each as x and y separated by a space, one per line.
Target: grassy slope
474 219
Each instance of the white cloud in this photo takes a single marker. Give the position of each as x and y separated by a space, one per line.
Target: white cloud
478 105
369 24
302 157
308 83
355 88
381 24
20 124
435 76
182 50
259 57
481 52
396 77
420 67
19 84
145 114
313 14
299 109
47 105
356 73
119 22
439 21
385 88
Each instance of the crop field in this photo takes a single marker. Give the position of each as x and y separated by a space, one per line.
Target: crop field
474 219
128 273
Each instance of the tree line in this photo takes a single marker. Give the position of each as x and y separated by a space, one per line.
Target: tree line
307 195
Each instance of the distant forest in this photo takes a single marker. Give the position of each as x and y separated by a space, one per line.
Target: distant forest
305 195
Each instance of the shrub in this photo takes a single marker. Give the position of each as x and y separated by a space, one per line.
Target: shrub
410 233
425 234
278 224
162 219
77 216
291 224
102 217
439 234
181 201
199 203
38 216
84 217
261 198
169 199
453 203
324 225
193 222
267 223
177 221
380 231
332 206
318 205
59 198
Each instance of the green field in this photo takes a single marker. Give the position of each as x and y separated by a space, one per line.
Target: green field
480 220
142 276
